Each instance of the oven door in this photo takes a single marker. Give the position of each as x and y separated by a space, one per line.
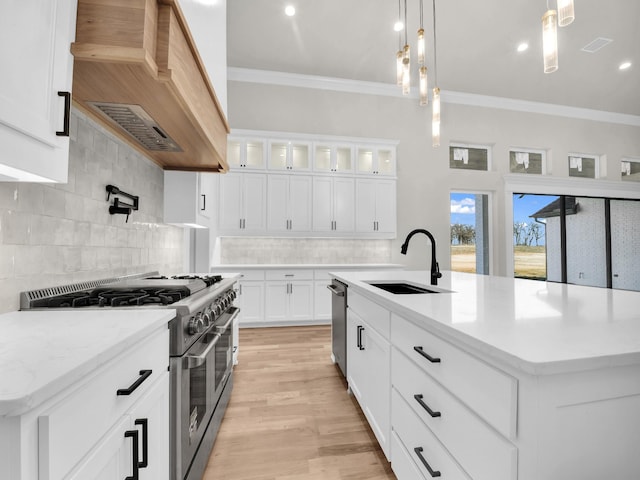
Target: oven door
224 347
193 381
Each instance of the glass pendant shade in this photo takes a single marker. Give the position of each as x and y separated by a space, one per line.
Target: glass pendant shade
435 119
424 91
406 71
550 41
566 13
421 47
399 56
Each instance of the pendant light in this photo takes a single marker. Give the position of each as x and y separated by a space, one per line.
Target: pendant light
550 41
566 13
406 58
422 70
435 113
399 55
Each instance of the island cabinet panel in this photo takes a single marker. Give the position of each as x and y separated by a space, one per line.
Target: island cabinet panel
368 375
491 393
463 433
376 316
419 443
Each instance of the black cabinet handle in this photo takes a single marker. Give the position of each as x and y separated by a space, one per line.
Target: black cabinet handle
134 453
204 202
145 441
359 339
67 112
426 355
432 472
144 374
426 407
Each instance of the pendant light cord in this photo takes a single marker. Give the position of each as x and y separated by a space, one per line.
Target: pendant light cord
421 14
400 31
405 23
435 55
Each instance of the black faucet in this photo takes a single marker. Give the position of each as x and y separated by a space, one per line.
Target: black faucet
435 268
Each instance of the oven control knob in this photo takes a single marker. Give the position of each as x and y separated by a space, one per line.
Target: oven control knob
219 309
234 294
196 325
207 317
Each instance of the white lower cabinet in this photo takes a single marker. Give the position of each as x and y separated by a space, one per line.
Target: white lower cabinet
322 300
289 300
250 298
368 366
94 429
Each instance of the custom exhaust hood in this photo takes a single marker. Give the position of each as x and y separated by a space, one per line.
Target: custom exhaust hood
138 73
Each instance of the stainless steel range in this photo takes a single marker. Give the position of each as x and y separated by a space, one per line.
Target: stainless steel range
201 348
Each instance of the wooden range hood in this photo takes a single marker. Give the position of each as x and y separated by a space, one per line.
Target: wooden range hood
137 72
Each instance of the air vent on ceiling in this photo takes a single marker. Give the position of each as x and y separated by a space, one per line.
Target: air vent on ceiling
596 44
134 120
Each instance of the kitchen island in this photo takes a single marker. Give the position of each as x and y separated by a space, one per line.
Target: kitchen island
497 378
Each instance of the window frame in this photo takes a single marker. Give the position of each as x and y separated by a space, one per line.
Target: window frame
477 146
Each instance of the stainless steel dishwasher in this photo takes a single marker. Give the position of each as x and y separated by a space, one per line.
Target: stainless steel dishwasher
339 323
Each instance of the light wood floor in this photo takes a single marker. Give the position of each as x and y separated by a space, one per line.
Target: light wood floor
290 416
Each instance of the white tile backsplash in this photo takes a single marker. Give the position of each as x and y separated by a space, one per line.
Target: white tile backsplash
52 234
262 250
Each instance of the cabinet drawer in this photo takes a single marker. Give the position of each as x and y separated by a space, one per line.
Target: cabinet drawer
413 434
251 275
468 438
76 423
289 275
490 393
376 316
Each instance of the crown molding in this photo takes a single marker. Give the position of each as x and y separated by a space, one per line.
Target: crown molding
384 89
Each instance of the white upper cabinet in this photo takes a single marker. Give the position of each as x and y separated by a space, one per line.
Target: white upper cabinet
289 203
376 161
35 89
188 198
247 154
333 158
333 204
292 156
242 203
376 207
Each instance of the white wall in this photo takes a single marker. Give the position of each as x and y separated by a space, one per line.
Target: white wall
424 178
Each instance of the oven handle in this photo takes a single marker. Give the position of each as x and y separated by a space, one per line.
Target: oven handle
224 327
194 361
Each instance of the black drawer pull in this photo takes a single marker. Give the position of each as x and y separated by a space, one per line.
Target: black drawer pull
359 339
134 453
67 112
145 441
432 472
426 355
426 407
144 374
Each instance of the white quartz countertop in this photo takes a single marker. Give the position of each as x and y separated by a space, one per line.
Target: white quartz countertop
536 327
44 352
308 266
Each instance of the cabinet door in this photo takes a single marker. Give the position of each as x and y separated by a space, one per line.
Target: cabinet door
277 198
377 384
35 39
386 206
254 194
322 204
301 300
230 213
300 156
321 301
278 158
365 205
150 417
356 365
299 203
251 300
205 202
344 211
276 301
110 459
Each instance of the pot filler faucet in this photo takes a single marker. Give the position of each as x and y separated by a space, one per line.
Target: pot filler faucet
435 268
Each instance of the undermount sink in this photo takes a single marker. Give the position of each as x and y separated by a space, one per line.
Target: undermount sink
401 288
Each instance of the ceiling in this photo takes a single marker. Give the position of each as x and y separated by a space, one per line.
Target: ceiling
476 46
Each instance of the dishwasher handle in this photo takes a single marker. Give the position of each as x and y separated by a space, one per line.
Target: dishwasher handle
336 291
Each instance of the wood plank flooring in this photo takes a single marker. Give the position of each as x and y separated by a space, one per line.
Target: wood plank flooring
290 416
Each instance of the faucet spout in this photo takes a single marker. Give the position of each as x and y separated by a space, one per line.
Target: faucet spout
435 268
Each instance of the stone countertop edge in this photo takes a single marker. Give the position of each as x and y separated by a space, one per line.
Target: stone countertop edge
66 372
481 347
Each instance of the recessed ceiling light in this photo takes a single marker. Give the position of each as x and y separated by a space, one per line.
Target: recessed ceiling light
624 65
290 11
523 46
398 26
